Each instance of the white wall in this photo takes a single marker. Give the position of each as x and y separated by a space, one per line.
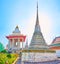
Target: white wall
58 53
38 56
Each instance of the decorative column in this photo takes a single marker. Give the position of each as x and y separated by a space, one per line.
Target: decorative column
22 43
22 53
9 44
13 43
18 43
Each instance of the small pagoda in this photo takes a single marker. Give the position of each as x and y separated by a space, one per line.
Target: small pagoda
15 39
38 41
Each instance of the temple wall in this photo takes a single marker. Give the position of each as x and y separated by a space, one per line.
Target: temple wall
38 57
58 53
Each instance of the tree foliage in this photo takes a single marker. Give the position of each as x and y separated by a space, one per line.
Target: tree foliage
1 47
9 55
4 51
7 58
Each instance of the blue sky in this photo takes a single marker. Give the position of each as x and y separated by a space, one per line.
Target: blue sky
23 14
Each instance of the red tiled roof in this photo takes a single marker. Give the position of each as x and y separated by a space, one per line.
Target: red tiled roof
55 44
56 40
21 37
15 37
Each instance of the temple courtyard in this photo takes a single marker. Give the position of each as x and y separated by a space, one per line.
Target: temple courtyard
37 52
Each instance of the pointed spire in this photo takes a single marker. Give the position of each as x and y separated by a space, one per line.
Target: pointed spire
37 19
37 26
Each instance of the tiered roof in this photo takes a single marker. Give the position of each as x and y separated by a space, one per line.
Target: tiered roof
55 44
16 34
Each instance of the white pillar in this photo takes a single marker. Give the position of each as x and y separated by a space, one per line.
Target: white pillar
9 45
13 43
22 44
18 43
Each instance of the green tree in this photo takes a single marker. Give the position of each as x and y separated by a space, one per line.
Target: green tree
1 47
4 51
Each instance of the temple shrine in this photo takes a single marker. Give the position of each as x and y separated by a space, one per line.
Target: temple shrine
15 39
55 44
